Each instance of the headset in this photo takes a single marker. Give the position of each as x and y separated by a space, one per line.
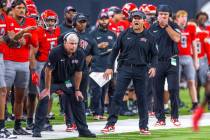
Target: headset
164 8
69 33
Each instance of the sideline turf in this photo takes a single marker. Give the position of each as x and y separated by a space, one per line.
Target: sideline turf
59 119
170 134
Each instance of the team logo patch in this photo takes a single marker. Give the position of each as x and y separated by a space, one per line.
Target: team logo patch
99 37
62 60
110 37
2 25
143 39
83 44
74 61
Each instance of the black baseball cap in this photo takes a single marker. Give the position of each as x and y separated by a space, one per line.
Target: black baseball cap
81 17
164 8
69 8
139 14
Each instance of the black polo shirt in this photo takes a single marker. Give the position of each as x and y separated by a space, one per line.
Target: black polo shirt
64 29
100 61
87 42
166 46
134 48
65 66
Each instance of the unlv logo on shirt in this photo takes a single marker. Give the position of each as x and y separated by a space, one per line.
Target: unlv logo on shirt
75 61
83 44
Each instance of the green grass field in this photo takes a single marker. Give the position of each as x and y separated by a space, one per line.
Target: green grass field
59 119
170 134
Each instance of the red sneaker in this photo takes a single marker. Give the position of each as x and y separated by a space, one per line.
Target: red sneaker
175 121
151 114
108 129
196 117
160 123
145 131
71 128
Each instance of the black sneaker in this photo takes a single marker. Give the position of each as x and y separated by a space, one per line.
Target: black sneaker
36 134
87 134
88 112
208 105
20 131
4 133
51 116
30 126
127 113
47 127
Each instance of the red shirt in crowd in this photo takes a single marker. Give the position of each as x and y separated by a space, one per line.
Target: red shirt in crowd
200 45
5 22
119 26
187 37
207 47
21 54
47 41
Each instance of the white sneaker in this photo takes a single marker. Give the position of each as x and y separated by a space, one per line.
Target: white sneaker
4 133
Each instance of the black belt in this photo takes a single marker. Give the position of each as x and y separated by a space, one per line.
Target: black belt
166 59
133 65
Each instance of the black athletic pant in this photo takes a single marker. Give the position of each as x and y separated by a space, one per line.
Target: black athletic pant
78 110
166 70
139 76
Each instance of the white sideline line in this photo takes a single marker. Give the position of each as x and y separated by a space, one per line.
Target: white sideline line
122 126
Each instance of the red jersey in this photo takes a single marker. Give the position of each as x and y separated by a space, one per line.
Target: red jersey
47 41
208 28
119 26
187 36
200 36
21 54
207 47
4 27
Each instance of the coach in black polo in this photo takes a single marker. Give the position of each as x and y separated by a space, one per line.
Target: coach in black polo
167 35
63 71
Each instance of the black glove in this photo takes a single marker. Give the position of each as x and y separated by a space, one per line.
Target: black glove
14 44
11 43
